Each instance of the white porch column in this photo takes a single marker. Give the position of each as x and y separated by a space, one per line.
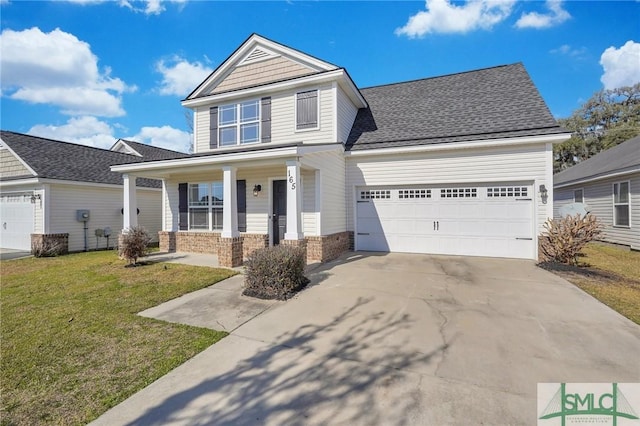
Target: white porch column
294 202
130 211
229 203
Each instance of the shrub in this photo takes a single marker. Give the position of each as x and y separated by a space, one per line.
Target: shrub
563 238
134 244
47 248
275 272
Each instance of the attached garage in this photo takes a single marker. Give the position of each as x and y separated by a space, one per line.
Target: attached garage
17 217
495 219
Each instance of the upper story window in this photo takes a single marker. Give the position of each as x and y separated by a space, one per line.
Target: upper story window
621 204
239 123
578 196
307 110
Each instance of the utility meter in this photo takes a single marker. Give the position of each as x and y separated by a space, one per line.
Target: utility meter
82 215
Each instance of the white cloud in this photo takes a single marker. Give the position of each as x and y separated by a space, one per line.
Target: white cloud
557 15
621 66
441 16
567 50
149 7
58 69
164 137
81 130
179 76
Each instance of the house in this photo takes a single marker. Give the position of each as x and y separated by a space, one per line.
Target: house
609 184
46 184
288 150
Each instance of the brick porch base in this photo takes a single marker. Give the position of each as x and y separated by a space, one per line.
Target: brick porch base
232 251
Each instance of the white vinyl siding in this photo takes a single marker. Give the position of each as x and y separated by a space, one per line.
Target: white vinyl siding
332 190
346 115
504 164
10 166
283 120
598 196
104 205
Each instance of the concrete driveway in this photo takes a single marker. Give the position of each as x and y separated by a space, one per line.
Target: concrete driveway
399 340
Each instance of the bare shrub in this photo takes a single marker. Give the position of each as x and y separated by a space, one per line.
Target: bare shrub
134 244
47 248
564 238
275 272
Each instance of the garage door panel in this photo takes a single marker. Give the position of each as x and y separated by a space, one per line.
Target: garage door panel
477 220
17 217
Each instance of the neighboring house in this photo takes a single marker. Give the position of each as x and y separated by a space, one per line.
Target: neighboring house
43 184
288 150
609 184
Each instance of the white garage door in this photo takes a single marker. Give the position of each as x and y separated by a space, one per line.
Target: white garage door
16 221
473 220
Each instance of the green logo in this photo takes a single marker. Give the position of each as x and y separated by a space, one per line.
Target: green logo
586 404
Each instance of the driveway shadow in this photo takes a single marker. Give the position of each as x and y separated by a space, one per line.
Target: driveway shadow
288 383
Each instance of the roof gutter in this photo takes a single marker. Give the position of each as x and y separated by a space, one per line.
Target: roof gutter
488 143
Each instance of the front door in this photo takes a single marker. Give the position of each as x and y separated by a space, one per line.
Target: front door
279 216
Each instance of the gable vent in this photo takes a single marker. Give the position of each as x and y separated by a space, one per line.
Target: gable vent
257 55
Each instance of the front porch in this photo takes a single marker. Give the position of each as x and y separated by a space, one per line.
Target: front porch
230 208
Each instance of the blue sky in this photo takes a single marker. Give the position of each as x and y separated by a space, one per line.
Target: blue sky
92 71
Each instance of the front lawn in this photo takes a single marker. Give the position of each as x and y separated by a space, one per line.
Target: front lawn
72 344
609 273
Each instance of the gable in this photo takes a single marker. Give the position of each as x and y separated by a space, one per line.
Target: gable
252 73
11 166
259 61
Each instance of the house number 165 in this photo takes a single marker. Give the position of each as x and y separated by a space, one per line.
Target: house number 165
292 181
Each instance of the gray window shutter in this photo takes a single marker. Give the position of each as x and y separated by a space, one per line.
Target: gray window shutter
242 205
266 119
213 127
307 110
183 206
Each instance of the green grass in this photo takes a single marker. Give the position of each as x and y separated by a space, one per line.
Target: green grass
72 344
611 274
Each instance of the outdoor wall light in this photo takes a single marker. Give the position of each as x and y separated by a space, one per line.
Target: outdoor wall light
34 198
256 190
543 193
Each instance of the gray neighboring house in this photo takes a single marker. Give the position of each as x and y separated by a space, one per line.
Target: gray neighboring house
44 182
609 183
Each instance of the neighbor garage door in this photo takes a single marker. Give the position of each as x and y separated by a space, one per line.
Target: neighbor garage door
16 221
474 220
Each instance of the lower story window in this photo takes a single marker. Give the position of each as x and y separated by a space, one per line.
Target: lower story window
205 206
621 204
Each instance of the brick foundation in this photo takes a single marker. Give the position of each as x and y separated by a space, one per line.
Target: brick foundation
232 251
252 242
49 244
328 247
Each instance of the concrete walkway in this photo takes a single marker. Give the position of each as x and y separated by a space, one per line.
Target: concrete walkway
398 340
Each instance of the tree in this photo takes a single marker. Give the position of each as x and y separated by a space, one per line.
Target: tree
607 119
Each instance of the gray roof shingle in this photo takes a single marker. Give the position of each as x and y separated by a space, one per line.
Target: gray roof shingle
153 153
624 157
52 159
484 104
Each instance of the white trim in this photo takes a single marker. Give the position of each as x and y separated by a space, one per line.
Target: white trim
334 105
589 179
46 209
485 143
128 148
163 205
278 86
548 176
24 163
219 159
32 181
248 46
270 55
581 189
613 203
